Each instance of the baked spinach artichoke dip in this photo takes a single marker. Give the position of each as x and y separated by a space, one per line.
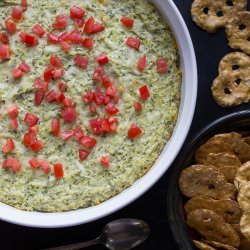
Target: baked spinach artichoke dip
89 95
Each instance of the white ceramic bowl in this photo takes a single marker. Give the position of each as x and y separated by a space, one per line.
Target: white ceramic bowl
188 101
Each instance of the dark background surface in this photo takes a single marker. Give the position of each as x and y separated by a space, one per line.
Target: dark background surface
152 206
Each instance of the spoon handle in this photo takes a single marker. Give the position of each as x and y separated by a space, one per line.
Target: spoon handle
77 245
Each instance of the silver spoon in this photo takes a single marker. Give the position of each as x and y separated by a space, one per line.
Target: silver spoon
121 234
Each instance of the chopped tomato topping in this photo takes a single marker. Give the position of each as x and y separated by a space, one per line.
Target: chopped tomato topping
37 145
40 85
81 61
111 91
4 52
79 134
48 73
138 106
162 66
28 39
127 21
38 30
24 5
16 73
67 102
92 109
102 58
55 126
51 96
141 65
4 38
69 114
89 26
31 119
105 161
64 36
38 97
34 163
60 97
62 86
61 22
12 111
76 12
10 26
67 134
88 141
88 43
79 22
65 46
102 125
57 73
13 124
144 92
13 163
33 129
8 147
53 38
56 61
98 74
134 131
75 37
100 98
17 13
133 43
111 109
106 82
29 139
45 166
83 154
58 170
24 67
97 28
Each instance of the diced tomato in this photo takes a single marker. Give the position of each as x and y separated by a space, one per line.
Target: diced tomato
13 124
113 123
162 66
56 61
33 129
13 163
60 97
111 91
28 39
111 109
69 114
57 73
58 170
75 37
98 74
24 5
64 36
127 21
17 13
37 145
10 26
116 98
67 102
97 28
144 92
138 106
53 38
96 126
4 38
24 67
12 111
133 43
65 46
92 109
29 139
40 85
106 82
141 65
134 131
105 161
76 12
79 134
38 97
38 30
100 98
83 154
61 22
4 52
34 163
48 73
79 22
51 96
45 166
16 73
88 141
62 86
55 126
89 26
31 119
67 134
88 43
81 61
88 97
102 58
9 146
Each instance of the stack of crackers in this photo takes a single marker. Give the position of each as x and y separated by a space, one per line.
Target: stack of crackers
232 86
219 188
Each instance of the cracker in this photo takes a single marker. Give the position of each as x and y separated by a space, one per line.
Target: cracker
229 172
202 245
219 245
212 15
207 181
245 225
247 140
238 31
242 175
244 197
228 209
244 242
213 227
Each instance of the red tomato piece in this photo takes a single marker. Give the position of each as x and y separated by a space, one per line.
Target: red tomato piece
58 170
65 46
97 28
81 61
33 129
64 36
100 98
67 102
45 166
58 73
24 5
133 43
16 73
4 52
127 21
141 65
37 145
40 85
96 126
105 161
29 139
38 97
51 96
102 58
10 26
111 109
144 92
60 97
88 97
13 163
38 30
55 126
9 146
134 131
92 109
31 119
88 141
138 106
78 22
34 163
88 43
106 82
12 111
67 134
61 22
83 154
4 38
53 38
98 74
76 12
28 39
75 37
62 86
162 66
89 26
17 13
56 61
24 67
69 114
111 91
13 124
79 134
48 73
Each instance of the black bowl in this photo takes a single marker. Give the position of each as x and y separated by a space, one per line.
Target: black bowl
239 121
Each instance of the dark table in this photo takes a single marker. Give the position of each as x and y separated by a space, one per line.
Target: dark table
151 207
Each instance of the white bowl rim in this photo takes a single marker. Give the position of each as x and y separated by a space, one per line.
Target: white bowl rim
187 108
